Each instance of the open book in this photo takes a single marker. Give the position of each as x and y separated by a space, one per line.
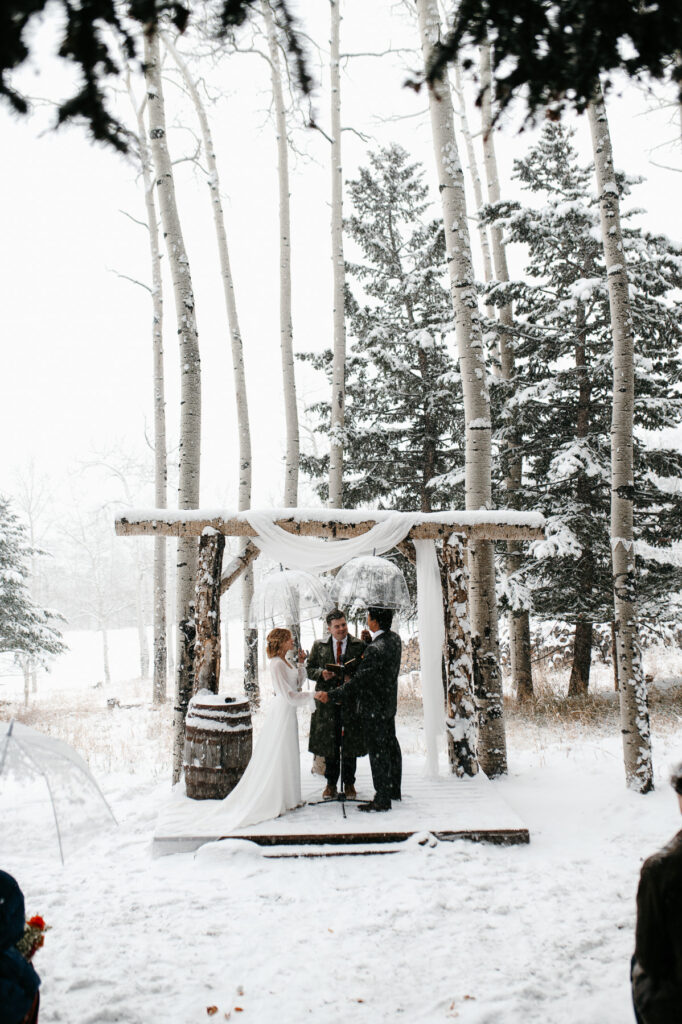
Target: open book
342 670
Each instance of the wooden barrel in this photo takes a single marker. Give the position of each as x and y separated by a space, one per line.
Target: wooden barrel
218 744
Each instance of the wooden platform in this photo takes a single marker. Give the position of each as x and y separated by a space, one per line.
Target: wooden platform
445 807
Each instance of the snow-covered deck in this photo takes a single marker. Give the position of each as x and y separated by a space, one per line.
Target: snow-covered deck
447 807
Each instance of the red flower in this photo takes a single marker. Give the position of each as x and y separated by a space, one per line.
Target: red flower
37 922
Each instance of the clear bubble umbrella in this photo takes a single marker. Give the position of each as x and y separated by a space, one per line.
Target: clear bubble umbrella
287 597
370 582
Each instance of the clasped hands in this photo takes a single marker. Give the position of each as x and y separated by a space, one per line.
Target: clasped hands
323 695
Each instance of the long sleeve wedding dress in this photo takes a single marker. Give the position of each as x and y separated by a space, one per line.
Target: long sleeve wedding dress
271 783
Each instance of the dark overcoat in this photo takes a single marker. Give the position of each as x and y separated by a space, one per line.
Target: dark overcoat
323 720
375 684
18 980
657 963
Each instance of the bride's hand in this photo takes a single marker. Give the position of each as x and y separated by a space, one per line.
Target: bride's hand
302 655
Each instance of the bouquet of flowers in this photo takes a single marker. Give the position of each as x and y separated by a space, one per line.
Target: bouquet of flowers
33 937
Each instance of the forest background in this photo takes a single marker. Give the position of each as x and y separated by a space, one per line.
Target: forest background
77 382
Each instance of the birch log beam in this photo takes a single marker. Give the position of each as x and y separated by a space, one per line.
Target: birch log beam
237 566
207 612
179 526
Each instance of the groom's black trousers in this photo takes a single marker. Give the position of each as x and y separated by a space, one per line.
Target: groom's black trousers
385 757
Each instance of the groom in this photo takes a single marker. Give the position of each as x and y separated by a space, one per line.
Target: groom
375 685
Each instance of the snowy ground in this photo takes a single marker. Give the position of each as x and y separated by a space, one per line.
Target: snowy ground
454 931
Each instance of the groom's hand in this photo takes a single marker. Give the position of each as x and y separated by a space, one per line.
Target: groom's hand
322 696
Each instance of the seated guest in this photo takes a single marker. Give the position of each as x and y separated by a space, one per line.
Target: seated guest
656 970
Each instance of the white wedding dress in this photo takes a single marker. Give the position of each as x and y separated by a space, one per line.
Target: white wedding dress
271 783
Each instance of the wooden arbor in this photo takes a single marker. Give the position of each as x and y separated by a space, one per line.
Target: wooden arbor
465 703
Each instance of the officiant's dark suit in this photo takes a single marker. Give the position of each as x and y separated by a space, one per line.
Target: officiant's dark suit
375 685
325 723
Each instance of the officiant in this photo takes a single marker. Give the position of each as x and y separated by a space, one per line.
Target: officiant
340 648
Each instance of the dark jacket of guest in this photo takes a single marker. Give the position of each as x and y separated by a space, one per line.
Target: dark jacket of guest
323 720
657 963
18 980
375 683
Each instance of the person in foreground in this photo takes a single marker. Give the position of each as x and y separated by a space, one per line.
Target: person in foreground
375 686
328 719
656 970
19 995
271 783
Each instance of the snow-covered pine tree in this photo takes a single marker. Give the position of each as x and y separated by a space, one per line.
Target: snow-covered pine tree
26 630
561 394
404 416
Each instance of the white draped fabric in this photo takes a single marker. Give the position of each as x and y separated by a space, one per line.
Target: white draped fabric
431 640
317 555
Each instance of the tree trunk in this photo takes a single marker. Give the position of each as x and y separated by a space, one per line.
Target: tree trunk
338 397
238 368
483 605
190 400
582 659
614 657
160 443
286 331
142 644
518 619
207 615
476 183
462 720
105 656
251 687
27 680
633 695
582 648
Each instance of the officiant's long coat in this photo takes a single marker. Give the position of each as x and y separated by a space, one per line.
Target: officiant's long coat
323 721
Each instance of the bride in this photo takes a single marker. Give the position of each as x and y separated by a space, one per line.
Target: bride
271 783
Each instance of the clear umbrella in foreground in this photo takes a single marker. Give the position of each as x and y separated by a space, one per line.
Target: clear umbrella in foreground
370 582
40 768
286 597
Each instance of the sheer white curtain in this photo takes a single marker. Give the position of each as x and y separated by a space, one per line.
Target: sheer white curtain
317 555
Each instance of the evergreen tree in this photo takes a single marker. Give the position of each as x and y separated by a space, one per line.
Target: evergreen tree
403 445
559 401
26 631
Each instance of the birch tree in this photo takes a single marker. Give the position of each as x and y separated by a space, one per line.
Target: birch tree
475 178
339 350
632 686
518 618
492 746
159 399
190 386
237 348
286 330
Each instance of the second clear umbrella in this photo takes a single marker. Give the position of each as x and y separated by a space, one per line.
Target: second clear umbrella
370 582
286 597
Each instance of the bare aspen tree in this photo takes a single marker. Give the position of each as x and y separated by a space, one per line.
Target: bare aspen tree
190 388
519 620
339 353
481 563
238 368
286 330
634 712
160 443
475 179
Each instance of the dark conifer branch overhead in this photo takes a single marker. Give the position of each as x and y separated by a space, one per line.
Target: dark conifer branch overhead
557 51
94 32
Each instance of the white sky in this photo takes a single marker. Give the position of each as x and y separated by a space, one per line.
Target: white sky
77 338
